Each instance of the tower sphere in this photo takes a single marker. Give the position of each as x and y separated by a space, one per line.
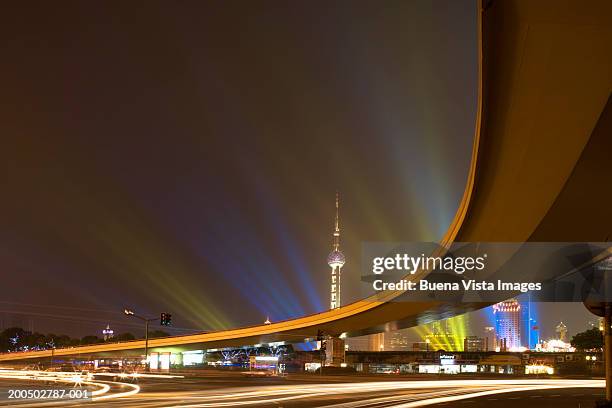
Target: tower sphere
336 259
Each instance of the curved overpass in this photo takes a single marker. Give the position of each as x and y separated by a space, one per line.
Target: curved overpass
539 171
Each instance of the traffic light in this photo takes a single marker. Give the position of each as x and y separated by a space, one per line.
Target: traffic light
165 319
319 335
321 340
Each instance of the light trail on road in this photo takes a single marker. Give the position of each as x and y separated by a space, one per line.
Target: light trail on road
396 394
406 394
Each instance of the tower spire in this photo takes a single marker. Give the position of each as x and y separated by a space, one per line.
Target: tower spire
336 243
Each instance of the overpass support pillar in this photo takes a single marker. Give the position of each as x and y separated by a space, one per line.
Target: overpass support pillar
608 352
334 352
604 310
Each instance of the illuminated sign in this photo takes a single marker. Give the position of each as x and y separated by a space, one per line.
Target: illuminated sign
266 358
447 359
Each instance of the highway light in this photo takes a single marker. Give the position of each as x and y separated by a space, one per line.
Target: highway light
167 318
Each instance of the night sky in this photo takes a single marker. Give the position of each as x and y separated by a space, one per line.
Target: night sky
184 156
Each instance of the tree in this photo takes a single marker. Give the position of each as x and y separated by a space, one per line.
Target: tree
13 339
18 339
591 339
91 340
35 341
62 340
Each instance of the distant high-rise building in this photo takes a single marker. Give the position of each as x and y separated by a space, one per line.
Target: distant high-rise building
473 343
397 340
336 261
490 338
599 323
529 327
361 343
561 331
508 323
376 342
370 342
535 336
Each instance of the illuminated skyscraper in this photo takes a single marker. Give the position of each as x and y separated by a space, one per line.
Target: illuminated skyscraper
508 323
529 324
336 261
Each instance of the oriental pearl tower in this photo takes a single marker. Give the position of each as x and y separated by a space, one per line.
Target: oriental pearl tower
335 260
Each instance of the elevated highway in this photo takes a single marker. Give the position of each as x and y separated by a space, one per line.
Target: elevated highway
540 168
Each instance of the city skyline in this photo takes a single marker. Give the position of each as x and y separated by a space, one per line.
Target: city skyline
184 198
394 203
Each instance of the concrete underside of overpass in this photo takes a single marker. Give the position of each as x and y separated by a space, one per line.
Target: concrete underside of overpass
540 165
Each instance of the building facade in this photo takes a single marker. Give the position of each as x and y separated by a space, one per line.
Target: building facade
474 343
508 324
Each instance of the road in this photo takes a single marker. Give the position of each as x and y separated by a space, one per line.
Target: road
559 398
232 390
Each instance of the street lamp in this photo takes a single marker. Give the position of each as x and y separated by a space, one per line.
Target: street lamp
129 312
